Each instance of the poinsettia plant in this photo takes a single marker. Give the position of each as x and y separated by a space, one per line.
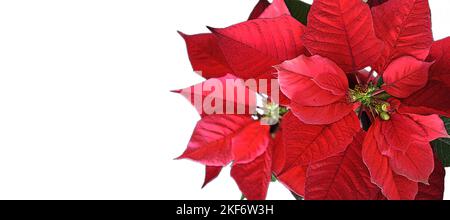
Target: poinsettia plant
359 108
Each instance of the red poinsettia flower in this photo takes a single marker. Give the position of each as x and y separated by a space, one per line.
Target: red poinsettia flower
318 149
396 148
246 51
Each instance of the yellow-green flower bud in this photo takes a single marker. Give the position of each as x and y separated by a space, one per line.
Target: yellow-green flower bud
385 116
385 107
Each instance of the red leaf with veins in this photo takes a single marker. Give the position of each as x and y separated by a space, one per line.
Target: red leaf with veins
294 179
276 9
401 139
432 125
341 177
253 178
205 55
434 191
253 47
405 27
440 55
251 142
317 88
415 164
306 144
342 31
434 98
404 76
259 8
398 133
322 114
211 142
393 186
226 94
312 81
211 173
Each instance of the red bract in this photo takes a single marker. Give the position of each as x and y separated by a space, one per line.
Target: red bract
405 28
398 154
248 50
434 98
220 96
306 144
317 89
343 176
219 139
355 65
435 189
397 148
342 30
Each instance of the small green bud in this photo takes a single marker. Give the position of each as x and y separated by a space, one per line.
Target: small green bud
385 116
385 107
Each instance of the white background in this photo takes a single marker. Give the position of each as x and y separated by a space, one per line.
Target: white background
85 108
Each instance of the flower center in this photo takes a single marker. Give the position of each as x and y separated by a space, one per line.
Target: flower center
362 94
373 99
270 113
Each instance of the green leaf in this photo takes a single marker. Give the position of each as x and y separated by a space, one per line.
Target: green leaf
299 10
297 197
442 146
274 178
380 82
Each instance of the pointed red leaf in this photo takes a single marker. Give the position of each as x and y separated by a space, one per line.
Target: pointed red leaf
210 174
341 177
259 9
276 9
226 94
440 55
434 191
405 140
210 143
294 179
404 76
433 126
401 139
342 31
312 81
434 98
393 186
253 47
251 142
253 178
405 27
317 88
205 55
307 144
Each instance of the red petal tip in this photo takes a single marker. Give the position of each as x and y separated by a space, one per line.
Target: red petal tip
183 35
179 158
211 29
